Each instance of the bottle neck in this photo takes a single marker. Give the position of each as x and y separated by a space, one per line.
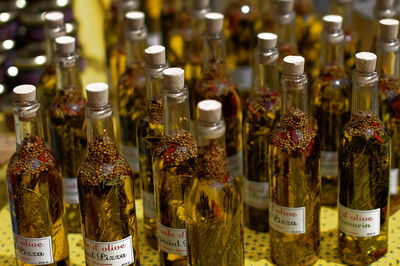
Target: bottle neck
214 50
154 80
135 51
68 73
388 59
345 10
27 121
332 50
267 73
294 93
99 123
365 93
285 29
176 111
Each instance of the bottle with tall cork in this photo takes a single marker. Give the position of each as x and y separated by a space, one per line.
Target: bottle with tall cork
34 184
106 189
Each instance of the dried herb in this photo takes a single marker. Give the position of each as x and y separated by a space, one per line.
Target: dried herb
35 187
364 167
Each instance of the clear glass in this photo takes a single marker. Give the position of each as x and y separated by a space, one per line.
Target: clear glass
364 169
260 117
35 189
106 186
295 181
213 204
284 27
68 132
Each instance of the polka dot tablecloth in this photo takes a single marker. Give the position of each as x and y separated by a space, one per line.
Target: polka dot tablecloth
256 244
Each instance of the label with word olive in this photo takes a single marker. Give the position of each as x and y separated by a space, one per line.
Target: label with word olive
329 163
394 181
235 164
359 223
36 251
149 205
255 194
287 220
131 154
70 186
172 240
109 253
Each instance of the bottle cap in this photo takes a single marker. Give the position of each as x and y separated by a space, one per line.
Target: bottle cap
65 45
174 78
284 6
209 111
201 4
293 65
53 19
332 23
135 20
388 29
365 62
24 93
266 41
97 94
214 23
155 55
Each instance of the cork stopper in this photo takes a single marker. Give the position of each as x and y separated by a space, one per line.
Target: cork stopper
332 23
53 19
65 45
135 20
365 62
214 23
174 78
201 4
155 55
293 65
209 111
24 93
388 29
266 41
284 6
97 94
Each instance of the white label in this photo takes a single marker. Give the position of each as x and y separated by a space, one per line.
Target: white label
243 76
394 181
255 194
70 186
132 155
154 38
109 253
329 163
359 223
235 164
33 250
172 240
149 205
287 220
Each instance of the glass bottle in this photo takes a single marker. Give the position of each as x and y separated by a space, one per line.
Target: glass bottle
330 104
150 132
213 202
67 125
132 90
364 169
295 182
173 167
389 98
217 84
152 8
267 15
106 189
54 27
243 22
344 8
284 22
260 118
34 183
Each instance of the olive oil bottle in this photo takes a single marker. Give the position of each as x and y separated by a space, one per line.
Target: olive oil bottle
260 117
364 170
213 202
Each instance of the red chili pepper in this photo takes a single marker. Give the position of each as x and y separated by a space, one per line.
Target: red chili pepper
42 157
293 136
376 136
216 209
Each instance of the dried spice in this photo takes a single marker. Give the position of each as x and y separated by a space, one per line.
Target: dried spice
364 172
211 161
37 211
155 110
106 194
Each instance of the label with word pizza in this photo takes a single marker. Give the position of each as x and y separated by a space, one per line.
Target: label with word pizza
70 186
287 220
394 181
255 194
37 251
172 240
109 253
131 154
149 205
329 163
359 223
235 164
